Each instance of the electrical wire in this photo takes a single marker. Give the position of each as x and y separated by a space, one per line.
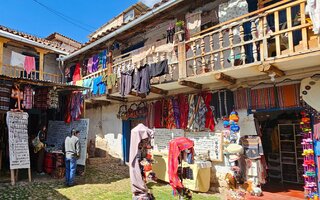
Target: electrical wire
72 21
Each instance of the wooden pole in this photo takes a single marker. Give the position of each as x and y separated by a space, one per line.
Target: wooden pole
13 181
29 174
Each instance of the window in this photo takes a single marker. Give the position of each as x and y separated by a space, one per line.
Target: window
128 16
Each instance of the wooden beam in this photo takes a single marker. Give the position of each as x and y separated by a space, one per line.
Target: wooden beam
225 78
191 84
158 90
123 99
141 95
268 68
41 52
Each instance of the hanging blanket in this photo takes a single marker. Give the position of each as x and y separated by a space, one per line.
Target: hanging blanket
175 147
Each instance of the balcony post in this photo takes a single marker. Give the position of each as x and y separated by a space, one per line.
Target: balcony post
2 42
41 52
182 60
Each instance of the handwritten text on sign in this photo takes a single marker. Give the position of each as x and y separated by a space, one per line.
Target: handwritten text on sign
18 140
59 130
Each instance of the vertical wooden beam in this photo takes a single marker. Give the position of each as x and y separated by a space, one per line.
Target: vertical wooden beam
304 30
41 62
289 26
182 60
2 42
277 29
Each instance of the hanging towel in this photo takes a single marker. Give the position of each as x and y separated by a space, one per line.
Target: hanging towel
29 64
17 59
76 74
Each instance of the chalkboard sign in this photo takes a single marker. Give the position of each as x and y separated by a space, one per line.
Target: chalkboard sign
207 143
59 130
162 137
18 140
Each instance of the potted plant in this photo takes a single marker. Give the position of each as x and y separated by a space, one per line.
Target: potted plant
180 30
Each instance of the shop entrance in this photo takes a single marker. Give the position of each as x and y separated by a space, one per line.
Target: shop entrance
281 140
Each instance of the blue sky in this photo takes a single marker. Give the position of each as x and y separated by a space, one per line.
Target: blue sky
30 17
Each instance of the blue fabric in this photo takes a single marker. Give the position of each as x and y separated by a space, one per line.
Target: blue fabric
87 83
98 86
104 59
126 139
71 166
317 148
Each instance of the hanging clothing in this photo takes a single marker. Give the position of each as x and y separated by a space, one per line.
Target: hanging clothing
241 98
141 80
53 99
126 82
165 113
76 74
79 83
41 98
313 8
170 120
67 117
209 124
192 111
150 115
184 110
95 63
158 69
232 9
193 21
138 186
175 147
222 103
288 96
89 65
88 84
170 34
200 118
263 98
98 86
110 80
176 112
252 146
76 106
158 114
29 64
17 59
28 97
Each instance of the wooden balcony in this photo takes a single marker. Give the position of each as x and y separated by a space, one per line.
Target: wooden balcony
277 38
17 72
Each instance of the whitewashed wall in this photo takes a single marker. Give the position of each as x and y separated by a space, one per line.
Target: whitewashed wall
106 129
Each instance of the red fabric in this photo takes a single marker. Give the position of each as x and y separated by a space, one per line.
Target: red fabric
209 114
175 147
184 110
76 74
158 114
170 122
67 117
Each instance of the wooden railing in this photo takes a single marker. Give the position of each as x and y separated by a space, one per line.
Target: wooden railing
18 72
270 34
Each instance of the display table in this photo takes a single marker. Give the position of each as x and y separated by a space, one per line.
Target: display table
201 173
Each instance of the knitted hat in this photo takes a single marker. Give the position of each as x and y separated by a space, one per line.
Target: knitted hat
234 148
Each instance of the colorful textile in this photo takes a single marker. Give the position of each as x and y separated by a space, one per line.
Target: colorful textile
288 96
88 84
175 147
53 99
165 113
252 146
41 98
98 86
192 111
200 118
209 124
95 63
103 59
67 117
184 111
176 112
150 115
76 106
126 82
29 64
170 121
76 74
138 186
17 59
263 98
158 114
28 97
79 83
241 98
89 65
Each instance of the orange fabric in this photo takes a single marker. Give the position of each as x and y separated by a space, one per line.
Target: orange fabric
289 99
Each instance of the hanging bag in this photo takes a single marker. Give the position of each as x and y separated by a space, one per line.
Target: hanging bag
37 144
